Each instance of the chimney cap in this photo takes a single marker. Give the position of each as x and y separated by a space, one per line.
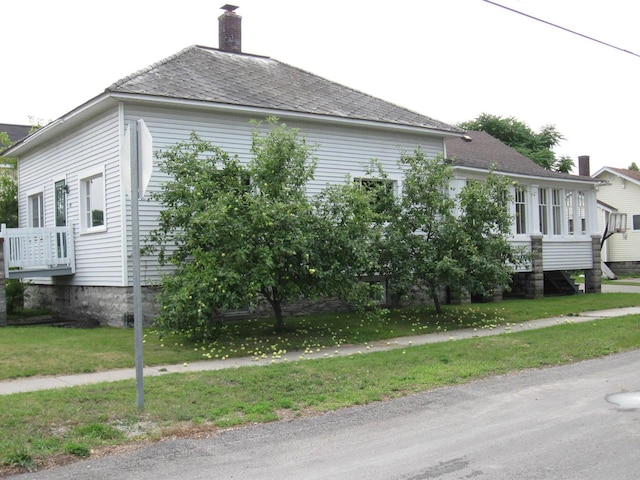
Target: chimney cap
229 8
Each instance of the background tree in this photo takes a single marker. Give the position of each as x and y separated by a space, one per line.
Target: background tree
8 186
441 238
239 233
538 146
634 167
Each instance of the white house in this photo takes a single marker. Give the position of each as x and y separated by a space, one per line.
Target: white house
619 192
74 241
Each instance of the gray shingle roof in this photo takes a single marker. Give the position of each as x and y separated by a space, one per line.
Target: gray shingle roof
15 132
210 75
478 149
629 173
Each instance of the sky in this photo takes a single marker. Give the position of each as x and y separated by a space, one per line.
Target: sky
451 60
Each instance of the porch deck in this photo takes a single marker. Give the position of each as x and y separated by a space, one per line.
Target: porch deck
38 252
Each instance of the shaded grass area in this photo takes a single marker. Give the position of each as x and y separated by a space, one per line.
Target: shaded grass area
46 350
71 422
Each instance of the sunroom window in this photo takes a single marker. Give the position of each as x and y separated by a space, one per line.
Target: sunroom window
521 218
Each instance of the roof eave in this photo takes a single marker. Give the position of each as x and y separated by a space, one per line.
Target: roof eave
52 129
617 174
266 112
100 101
541 179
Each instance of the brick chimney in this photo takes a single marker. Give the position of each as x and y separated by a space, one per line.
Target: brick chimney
230 30
584 169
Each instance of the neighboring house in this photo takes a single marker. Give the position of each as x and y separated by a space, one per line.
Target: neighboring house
74 243
555 213
619 192
15 132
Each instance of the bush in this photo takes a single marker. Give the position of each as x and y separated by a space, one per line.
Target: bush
14 291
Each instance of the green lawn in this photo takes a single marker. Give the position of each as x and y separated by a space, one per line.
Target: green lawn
46 350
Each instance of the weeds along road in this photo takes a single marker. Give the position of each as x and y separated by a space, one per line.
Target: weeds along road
539 424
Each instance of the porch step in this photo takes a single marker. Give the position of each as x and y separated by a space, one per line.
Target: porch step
559 283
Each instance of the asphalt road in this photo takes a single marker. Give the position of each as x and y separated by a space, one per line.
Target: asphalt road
552 423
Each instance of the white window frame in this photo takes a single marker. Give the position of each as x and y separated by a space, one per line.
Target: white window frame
543 210
520 222
32 195
556 211
85 222
633 222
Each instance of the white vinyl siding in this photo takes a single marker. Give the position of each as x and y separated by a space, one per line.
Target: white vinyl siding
568 254
95 144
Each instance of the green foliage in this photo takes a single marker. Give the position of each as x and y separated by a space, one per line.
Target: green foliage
8 199
441 237
15 292
634 167
77 449
538 146
240 233
21 458
8 186
98 431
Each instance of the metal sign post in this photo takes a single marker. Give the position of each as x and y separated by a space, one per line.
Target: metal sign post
135 255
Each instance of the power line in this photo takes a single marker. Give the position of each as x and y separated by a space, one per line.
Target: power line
562 28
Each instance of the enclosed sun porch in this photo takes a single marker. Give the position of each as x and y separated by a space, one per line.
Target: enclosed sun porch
38 252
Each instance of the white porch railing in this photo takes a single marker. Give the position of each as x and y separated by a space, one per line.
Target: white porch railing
38 252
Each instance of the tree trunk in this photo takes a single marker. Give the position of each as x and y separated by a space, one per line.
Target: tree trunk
272 296
277 310
436 302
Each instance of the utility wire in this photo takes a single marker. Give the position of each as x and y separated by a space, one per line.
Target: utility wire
562 28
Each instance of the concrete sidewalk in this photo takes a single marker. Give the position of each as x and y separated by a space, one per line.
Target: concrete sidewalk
8 387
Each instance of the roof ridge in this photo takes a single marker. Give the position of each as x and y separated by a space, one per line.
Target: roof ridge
165 60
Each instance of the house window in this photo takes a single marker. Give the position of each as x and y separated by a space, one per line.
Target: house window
521 219
581 213
636 222
576 217
383 192
543 207
570 214
556 212
36 210
92 203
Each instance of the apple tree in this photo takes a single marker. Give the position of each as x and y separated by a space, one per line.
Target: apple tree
439 237
241 233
